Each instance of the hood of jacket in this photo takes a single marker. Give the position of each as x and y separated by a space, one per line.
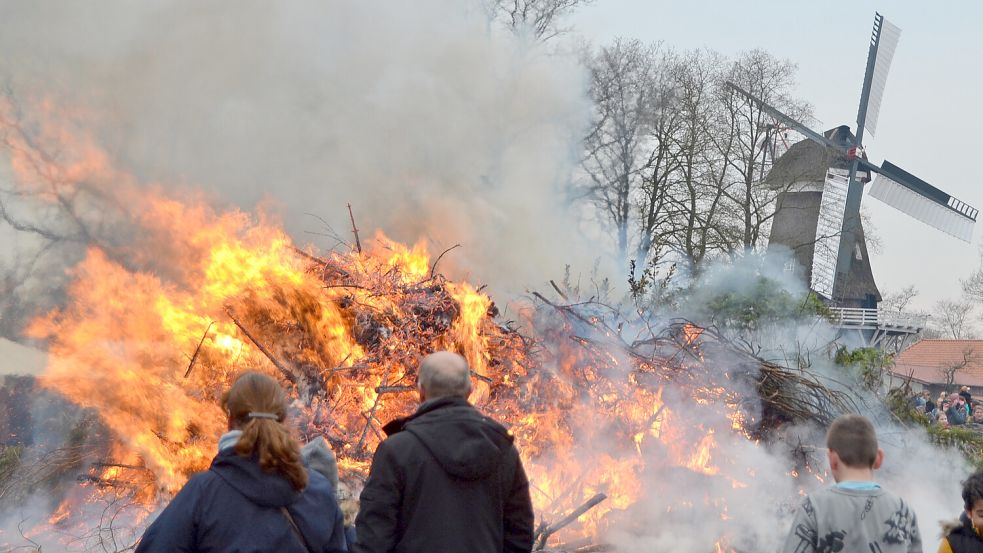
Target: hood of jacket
963 524
246 477
466 444
950 526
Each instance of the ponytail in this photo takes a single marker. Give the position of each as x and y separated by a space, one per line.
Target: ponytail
257 405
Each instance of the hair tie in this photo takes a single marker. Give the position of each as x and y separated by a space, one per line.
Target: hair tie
260 415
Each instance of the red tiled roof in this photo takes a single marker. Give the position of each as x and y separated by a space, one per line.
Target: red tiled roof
926 360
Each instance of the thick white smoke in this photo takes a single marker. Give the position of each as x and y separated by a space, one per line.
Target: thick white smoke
432 122
926 476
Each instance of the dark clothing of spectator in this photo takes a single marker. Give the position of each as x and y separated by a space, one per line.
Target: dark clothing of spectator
447 479
236 506
967 396
929 406
957 414
961 536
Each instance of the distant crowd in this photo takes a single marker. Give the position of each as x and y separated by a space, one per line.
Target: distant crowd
954 409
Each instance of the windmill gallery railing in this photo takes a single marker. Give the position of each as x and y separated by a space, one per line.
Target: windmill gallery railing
878 328
876 318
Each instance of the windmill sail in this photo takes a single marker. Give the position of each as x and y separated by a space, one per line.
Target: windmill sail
828 227
883 43
779 116
909 194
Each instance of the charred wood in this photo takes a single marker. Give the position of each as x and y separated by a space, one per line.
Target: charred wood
565 521
194 357
287 373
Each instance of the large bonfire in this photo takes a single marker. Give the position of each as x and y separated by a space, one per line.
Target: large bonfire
609 410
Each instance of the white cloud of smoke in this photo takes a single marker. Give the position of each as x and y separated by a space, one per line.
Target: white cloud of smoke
926 476
430 121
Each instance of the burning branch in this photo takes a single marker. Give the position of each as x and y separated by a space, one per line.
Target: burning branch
371 416
198 349
433 268
558 291
394 389
289 375
358 243
563 522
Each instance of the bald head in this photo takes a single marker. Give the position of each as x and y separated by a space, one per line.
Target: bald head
444 374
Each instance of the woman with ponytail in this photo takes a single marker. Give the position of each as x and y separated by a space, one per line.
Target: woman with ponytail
257 496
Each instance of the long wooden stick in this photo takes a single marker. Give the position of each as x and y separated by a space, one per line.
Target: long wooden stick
394 389
433 268
198 350
574 515
276 362
558 291
358 243
371 416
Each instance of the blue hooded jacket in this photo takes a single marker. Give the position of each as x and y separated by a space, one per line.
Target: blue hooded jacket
235 507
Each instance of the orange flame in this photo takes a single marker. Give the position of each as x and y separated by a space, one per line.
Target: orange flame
147 340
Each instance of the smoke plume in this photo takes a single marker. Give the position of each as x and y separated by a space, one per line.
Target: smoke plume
432 122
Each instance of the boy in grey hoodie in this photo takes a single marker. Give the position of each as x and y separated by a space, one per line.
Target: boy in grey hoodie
855 515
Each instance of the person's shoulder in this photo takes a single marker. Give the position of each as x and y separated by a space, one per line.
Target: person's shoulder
397 441
836 495
398 448
894 498
202 481
198 487
318 486
209 483
497 426
820 496
948 527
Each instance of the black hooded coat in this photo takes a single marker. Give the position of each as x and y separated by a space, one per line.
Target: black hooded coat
235 507
446 480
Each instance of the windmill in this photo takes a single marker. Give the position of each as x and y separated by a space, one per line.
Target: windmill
838 238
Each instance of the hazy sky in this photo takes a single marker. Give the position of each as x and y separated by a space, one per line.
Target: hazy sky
927 119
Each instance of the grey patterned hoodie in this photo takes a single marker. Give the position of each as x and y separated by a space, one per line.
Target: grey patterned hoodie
837 519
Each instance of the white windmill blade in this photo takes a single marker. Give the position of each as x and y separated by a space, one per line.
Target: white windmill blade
913 196
828 228
883 42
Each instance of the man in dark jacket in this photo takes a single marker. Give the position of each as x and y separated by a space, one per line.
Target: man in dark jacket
447 479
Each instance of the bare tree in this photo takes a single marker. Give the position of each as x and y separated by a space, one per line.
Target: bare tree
898 301
968 357
659 174
720 205
700 196
973 285
741 135
52 207
540 17
614 159
952 319
674 162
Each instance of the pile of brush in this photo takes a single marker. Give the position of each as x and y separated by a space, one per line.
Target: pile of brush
565 372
